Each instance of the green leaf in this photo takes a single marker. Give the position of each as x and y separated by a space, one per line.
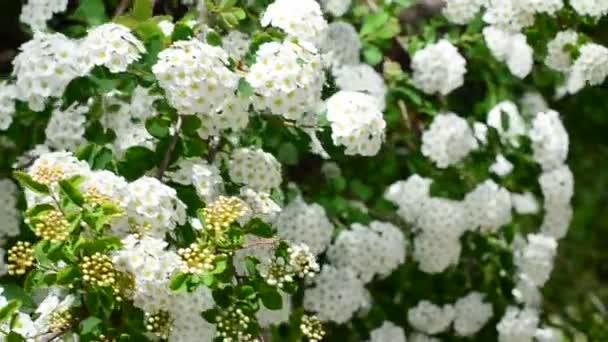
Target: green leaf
178 282
213 38
40 208
372 54
14 337
69 189
181 32
158 127
220 266
89 325
271 298
27 181
67 275
41 253
250 265
9 309
92 12
374 22
226 4
143 9
222 296
247 292
260 228
245 89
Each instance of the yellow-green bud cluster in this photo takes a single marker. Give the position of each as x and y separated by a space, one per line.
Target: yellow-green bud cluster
277 273
159 324
47 174
60 321
104 338
98 270
223 212
52 225
20 258
96 198
233 324
197 258
312 328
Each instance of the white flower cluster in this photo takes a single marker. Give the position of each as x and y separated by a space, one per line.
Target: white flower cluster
508 15
336 8
337 295
287 79
341 45
558 188
195 77
9 215
261 205
205 177
558 57
8 93
518 325
594 8
301 19
505 118
300 222
255 168
430 318
236 44
36 13
111 45
461 11
356 122
590 68
502 166
438 68
44 67
388 331
361 78
549 140
448 140
65 130
534 259
511 48
377 249
488 206
23 324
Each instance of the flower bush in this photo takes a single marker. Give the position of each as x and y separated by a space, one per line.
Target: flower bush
231 170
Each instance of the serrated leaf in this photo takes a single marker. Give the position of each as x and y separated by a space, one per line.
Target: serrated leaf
9 309
27 181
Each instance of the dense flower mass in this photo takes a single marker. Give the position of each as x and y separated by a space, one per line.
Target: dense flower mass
302 19
111 45
438 68
448 140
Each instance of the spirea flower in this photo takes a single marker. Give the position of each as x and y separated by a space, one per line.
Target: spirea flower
461 11
36 13
505 118
195 77
361 78
532 103
232 114
356 123
287 79
44 67
268 318
388 331
517 325
8 94
489 206
448 140
511 48
9 214
113 46
438 68
524 203
337 295
51 225
535 259
300 222
260 204
205 177
508 15
300 19
20 258
409 196
549 140
435 252
340 45
558 57
430 318
255 168
591 67
501 166
542 6
594 8
471 313
418 337
236 44
312 328
66 128
337 8
558 188
224 211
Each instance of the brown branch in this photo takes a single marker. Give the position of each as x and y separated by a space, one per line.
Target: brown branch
261 243
121 8
170 150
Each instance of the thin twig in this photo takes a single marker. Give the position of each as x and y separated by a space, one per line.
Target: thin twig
260 243
372 5
122 6
170 150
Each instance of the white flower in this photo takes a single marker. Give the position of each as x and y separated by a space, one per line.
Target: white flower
532 103
438 68
409 196
591 67
236 44
535 259
287 79
195 77
430 318
387 332
337 295
418 337
44 68
8 93
167 27
594 8
205 178
548 334
435 252
542 6
517 325
505 118
471 314
9 215
340 45
36 13
489 206
557 186
549 140
300 19
260 205
337 8
508 15
511 48
300 222
526 292
448 140
461 11
230 114
524 203
65 130
361 78
255 168
356 123
558 58
113 46
502 166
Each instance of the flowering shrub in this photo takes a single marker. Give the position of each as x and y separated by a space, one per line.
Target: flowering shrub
288 170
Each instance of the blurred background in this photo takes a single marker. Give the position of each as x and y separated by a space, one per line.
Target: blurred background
578 290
